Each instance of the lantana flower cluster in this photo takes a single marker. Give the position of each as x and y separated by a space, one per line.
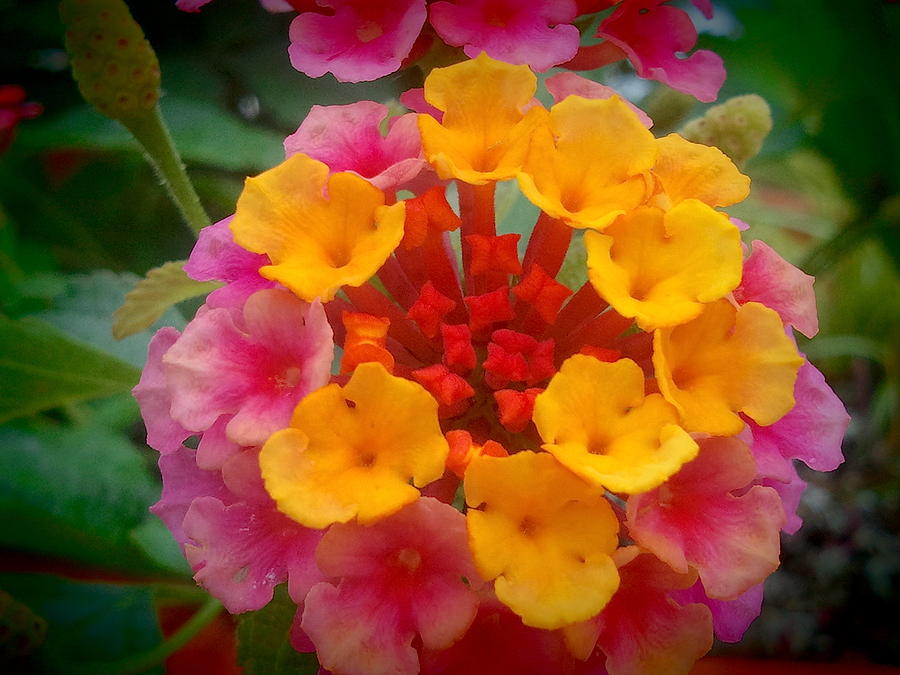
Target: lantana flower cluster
496 473
361 40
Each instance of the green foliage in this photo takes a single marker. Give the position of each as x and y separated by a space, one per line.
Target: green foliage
152 296
263 644
81 493
90 625
42 368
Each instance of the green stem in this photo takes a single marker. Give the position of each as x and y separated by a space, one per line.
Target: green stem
151 132
143 662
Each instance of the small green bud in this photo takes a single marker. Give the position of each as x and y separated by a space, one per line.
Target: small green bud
116 68
737 127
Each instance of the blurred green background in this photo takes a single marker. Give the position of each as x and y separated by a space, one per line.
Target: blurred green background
82 215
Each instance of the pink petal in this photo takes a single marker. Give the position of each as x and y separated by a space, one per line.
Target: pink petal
164 434
695 520
362 41
642 630
812 431
652 35
215 447
241 552
348 138
242 475
566 84
191 5
731 618
534 32
771 280
183 482
400 577
414 99
705 6
791 492
216 257
255 367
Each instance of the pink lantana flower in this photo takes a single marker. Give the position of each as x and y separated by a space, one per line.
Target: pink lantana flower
241 549
731 618
164 434
536 32
13 109
773 281
361 41
348 138
254 364
811 432
216 257
700 519
652 34
644 629
409 574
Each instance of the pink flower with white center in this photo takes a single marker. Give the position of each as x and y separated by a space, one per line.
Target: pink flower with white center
255 365
216 257
771 280
348 138
536 32
361 41
409 574
696 520
652 35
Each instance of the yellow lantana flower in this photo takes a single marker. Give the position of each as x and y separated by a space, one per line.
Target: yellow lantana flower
686 170
727 360
320 232
354 451
660 267
484 132
597 422
590 164
545 537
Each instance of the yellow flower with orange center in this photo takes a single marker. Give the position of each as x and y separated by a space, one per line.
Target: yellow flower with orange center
485 128
320 232
727 361
660 267
596 420
590 164
543 535
357 451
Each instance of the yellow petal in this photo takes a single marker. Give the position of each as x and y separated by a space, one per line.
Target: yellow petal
591 164
320 232
353 451
484 133
597 422
544 535
724 362
661 267
688 170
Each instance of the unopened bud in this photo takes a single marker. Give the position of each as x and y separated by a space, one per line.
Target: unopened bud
737 127
116 68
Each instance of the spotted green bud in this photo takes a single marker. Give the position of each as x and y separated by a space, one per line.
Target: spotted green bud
114 65
737 127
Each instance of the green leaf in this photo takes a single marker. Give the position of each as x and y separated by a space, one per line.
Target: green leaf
42 368
162 288
85 308
264 647
79 493
202 132
89 624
